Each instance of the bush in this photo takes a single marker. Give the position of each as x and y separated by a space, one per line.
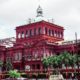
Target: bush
14 74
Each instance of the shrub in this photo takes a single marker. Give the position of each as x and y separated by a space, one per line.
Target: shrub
14 74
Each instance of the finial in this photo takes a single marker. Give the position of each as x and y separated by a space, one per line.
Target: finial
29 20
39 11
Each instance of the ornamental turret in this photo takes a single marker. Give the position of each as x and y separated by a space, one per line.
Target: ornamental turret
39 12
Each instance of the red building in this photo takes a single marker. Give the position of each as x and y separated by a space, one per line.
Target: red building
34 41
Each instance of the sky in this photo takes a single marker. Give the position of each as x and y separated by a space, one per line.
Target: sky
65 13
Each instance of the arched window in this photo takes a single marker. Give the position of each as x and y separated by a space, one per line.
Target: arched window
26 33
61 35
17 56
57 33
45 30
53 32
39 30
35 53
22 34
49 32
19 35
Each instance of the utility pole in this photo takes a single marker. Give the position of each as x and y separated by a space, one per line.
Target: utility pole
76 43
77 51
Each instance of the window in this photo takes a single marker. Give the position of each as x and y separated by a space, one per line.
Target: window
17 56
19 35
26 33
33 66
60 34
38 66
39 31
22 34
45 30
55 34
49 32
36 54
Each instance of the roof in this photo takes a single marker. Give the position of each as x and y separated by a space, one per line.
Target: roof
8 42
39 21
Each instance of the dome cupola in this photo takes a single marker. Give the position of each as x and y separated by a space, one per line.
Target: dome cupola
39 12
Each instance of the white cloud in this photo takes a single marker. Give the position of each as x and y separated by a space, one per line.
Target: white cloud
65 13
6 31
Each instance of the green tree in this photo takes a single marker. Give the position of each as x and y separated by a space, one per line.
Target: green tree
78 60
66 58
58 60
73 60
54 61
45 62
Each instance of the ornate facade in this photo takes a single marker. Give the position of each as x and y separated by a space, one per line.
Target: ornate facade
33 42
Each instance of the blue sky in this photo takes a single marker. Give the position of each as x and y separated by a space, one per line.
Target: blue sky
16 12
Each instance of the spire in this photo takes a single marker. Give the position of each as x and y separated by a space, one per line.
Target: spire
39 12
